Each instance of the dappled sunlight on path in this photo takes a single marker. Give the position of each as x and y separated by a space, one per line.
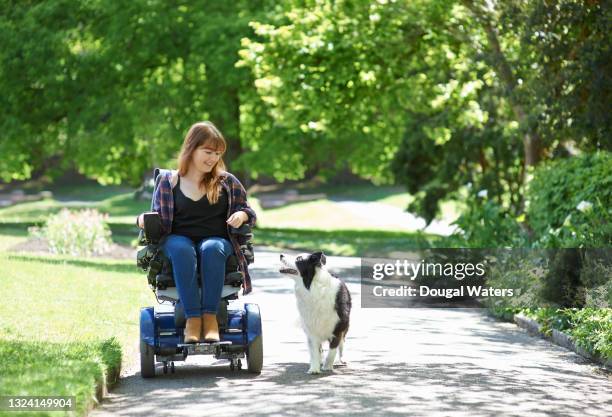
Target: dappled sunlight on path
414 361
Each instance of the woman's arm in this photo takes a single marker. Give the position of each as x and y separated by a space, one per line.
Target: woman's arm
155 201
240 202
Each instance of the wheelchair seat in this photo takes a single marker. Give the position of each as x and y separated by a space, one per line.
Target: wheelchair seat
159 268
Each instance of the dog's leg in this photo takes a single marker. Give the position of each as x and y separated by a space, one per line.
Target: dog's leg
340 350
329 361
314 346
334 343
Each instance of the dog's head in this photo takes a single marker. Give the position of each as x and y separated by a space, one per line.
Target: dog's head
304 265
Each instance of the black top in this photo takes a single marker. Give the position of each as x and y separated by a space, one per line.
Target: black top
199 219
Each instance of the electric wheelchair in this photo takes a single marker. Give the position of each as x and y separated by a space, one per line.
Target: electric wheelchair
162 326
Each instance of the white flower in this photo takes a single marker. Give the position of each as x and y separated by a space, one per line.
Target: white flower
584 206
375 17
482 193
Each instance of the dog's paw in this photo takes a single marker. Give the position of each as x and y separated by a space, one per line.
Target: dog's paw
314 371
341 363
328 368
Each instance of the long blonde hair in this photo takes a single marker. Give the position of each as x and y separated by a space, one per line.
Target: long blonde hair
204 133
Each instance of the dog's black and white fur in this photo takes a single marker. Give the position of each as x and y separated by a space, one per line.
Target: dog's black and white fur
324 303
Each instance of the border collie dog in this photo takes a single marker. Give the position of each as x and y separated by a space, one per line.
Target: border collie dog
324 303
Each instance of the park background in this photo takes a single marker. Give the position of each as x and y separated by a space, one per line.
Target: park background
490 118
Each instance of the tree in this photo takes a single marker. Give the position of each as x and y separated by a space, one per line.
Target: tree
112 87
332 80
437 95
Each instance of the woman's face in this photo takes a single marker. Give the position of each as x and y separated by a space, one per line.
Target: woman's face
205 157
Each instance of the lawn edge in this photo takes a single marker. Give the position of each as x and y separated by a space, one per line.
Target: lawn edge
110 378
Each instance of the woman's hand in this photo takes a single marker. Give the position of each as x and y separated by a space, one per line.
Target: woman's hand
237 219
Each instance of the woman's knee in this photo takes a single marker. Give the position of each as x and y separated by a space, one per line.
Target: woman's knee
215 246
179 246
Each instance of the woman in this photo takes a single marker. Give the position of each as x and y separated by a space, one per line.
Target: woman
197 204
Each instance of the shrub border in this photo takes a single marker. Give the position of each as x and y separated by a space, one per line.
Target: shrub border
559 338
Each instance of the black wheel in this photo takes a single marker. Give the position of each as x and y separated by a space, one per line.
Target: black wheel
255 355
147 360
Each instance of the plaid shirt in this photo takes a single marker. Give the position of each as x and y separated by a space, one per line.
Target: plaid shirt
163 203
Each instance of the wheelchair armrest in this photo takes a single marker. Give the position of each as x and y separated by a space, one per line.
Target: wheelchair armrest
244 236
152 227
163 281
234 279
245 229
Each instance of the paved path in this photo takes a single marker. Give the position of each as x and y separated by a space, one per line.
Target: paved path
421 362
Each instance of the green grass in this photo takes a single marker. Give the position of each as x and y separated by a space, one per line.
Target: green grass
357 192
328 214
323 214
320 216
11 236
322 223
121 208
66 323
57 369
365 243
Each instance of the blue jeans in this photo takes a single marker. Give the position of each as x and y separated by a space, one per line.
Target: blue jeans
212 254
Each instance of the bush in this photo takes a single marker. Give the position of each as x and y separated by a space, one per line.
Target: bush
486 225
80 233
591 328
569 202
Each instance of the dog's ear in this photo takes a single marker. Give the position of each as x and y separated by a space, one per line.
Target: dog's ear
318 258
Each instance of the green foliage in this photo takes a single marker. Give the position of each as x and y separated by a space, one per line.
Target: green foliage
591 328
416 92
568 205
570 202
484 224
333 80
504 313
79 233
552 277
64 369
570 43
562 282
91 85
440 93
596 276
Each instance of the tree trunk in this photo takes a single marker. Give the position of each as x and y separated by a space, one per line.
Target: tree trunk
531 139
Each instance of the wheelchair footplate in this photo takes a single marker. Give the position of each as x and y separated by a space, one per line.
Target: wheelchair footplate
203 348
